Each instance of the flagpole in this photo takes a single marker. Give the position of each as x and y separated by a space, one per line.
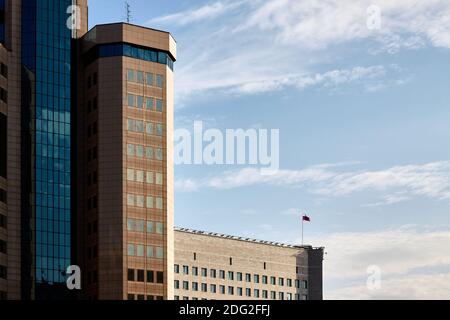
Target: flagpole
303 221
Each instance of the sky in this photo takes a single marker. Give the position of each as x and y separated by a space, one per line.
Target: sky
362 107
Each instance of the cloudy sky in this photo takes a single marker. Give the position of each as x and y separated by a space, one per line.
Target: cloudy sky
363 113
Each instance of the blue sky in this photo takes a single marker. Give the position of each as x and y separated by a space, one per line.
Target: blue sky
363 117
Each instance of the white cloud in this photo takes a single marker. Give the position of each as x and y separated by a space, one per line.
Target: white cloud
430 180
414 263
276 44
206 12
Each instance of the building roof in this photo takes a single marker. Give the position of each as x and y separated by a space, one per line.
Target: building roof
229 237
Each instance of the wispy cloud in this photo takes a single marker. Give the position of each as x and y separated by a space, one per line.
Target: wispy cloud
277 44
414 263
430 180
203 13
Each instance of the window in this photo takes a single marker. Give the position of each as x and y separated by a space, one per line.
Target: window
159 203
130 274
204 287
213 288
195 271
177 284
140 77
264 279
176 268
273 295
149 77
159 81
130 200
140 151
140 250
159 154
194 286
139 176
149 177
130 149
159 277
149 152
159 253
130 296
3 197
4 70
140 102
159 105
304 284
185 285
140 276
248 277
140 201
150 203
265 294
130 174
239 276
3 248
204 272
222 274
159 129
150 103
139 126
130 249
281 282
256 293
131 224
239 292
3 221
256 278
131 100
280 295
140 225
149 128
159 228
248 292
130 75
213 273
150 252
273 281
304 297
185 270
289 283
230 291
230 275
150 276
222 289
149 227
289 296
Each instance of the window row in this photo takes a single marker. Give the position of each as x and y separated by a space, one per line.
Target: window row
239 276
135 225
132 296
239 291
140 151
136 101
145 176
139 276
149 128
149 202
140 250
150 79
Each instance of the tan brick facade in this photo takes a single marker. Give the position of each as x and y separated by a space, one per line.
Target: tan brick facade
221 267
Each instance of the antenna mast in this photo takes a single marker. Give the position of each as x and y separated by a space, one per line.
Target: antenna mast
128 11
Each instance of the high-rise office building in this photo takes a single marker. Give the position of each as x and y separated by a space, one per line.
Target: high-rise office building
125 166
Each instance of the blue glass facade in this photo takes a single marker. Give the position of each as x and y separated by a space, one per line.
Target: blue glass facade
46 121
129 50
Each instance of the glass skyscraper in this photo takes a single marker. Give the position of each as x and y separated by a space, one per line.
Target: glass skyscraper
46 147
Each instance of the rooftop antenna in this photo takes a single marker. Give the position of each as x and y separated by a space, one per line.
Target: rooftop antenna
128 10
